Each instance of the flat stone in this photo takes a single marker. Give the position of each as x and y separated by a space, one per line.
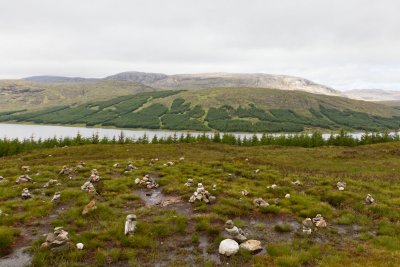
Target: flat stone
251 245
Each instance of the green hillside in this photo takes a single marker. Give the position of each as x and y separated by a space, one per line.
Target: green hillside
221 109
22 94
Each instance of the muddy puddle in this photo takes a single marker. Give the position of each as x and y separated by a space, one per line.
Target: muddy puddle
155 197
203 246
20 257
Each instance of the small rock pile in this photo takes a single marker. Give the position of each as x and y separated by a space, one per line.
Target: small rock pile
89 187
369 199
341 186
94 177
201 195
25 168
26 194
147 182
57 241
130 167
307 226
24 179
318 221
153 161
169 163
130 224
81 165
51 182
272 186
297 182
234 232
65 171
259 202
189 183
56 197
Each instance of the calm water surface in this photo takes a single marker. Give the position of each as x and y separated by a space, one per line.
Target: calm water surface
22 131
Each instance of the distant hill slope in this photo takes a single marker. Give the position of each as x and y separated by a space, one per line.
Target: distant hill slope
23 94
373 94
59 79
222 109
212 80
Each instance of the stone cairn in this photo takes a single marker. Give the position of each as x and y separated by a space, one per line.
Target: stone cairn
307 226
259 202
89 187
25 168
153 161
26 194
94 177
201 195
56 197
369 199
234 232
318 221
189 183
130 224
130 167
297 182
24 179
65 171
272 186
341 186
57 241
81 165
51 182
147 182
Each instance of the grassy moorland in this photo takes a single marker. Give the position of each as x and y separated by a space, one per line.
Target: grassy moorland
177 233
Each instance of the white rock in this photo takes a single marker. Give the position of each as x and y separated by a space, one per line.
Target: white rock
228 247
287 196
79 246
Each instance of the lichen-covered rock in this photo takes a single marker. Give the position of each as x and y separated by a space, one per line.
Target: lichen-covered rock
251 245
89 207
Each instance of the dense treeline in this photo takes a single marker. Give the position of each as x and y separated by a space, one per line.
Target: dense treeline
15 146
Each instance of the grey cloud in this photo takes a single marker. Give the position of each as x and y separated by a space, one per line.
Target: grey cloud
344 43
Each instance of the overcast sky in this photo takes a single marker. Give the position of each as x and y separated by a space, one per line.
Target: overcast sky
344 43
